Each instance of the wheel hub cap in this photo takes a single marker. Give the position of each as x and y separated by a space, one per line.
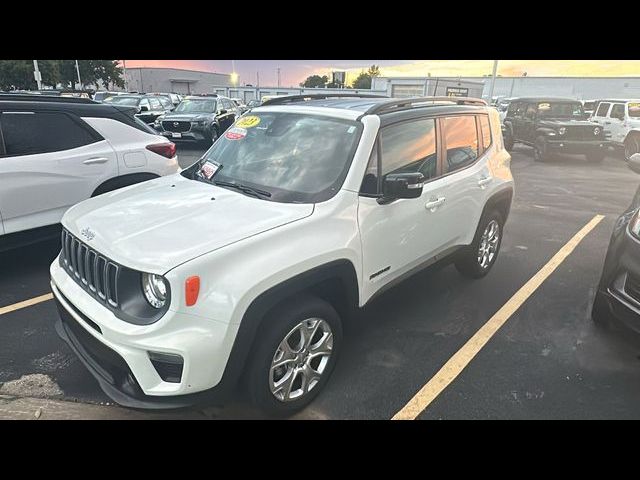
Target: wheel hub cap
300 359
489 244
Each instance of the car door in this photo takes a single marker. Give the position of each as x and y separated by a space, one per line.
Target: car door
466 175
528 125
51 161
614 122
405 233
601 114
517 120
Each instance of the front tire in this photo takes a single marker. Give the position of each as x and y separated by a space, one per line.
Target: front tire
508 141
297 350
476 260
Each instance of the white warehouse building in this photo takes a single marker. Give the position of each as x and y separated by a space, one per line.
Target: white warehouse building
581 88
174 80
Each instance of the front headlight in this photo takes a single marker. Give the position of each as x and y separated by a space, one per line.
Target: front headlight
562 130
155 289
199 123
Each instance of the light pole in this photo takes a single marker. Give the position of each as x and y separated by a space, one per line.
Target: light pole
493 80
37 75
124 72
278 77
78 72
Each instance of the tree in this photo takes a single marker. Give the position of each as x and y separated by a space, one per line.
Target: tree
92 72
363 80
18 74
314 81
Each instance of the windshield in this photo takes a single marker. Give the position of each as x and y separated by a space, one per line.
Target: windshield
560 110
132 101
634 110
253 103
196 106
296 158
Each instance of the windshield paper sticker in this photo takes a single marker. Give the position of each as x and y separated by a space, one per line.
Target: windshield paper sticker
248 121
236 133
208 169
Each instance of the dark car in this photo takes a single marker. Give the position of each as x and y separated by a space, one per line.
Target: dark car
553 125
149 107
618 295
199 119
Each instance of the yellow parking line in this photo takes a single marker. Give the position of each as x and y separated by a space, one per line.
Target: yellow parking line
26 303
463 357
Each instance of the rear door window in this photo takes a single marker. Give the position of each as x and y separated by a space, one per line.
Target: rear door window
28 133
461 140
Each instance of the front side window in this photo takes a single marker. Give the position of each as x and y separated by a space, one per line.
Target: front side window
560 109
461 138
196 106
295 158
145 103
28 133
155 104
603 108
409 147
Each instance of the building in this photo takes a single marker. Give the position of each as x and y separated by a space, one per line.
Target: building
174 80
428 86
581 88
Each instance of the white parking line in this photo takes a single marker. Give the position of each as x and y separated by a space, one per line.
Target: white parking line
463 357
25 303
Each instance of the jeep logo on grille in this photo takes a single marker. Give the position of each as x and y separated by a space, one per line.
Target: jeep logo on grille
88 233
176 124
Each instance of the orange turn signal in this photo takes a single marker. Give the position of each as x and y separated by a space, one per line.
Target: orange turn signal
192 289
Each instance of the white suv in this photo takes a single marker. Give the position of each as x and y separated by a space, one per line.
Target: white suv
249 262
56 152
621 119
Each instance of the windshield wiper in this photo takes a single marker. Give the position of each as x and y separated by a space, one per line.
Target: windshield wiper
243 188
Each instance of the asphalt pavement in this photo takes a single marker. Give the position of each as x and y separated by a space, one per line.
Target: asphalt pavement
547 361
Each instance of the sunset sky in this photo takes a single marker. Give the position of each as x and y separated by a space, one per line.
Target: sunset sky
293 72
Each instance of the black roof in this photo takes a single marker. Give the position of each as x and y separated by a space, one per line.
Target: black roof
544 99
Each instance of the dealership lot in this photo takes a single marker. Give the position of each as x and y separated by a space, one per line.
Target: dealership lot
547 361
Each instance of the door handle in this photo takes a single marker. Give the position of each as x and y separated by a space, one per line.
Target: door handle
607 123
434 203
95 160
484 181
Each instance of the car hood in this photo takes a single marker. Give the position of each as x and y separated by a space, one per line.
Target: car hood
189 117
157 225
565 122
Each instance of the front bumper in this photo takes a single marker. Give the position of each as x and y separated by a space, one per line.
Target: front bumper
577 146
117 353
618 291
194 134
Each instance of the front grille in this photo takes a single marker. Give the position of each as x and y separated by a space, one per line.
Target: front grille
581 133
632 287
95 273
171 126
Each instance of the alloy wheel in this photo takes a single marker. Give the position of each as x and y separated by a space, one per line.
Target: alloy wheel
488 247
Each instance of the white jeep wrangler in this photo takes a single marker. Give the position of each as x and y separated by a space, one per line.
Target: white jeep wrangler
621 119
246 265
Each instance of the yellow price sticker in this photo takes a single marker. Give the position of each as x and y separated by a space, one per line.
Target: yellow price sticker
248 121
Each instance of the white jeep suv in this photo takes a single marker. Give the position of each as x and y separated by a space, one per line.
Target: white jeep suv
247 264
621 119
56 152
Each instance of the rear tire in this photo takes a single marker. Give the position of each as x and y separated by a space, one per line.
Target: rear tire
476 260
508 141
282 353
540 150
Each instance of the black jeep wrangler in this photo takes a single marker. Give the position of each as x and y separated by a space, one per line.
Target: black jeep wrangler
553 125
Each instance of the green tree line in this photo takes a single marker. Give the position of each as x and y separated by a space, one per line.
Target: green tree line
18 74
362 81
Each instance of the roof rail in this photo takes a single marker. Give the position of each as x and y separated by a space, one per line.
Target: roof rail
26 97
396 104
317 96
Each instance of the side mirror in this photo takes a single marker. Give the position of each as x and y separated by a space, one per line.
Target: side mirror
634 162
222 111
144 109
402 185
